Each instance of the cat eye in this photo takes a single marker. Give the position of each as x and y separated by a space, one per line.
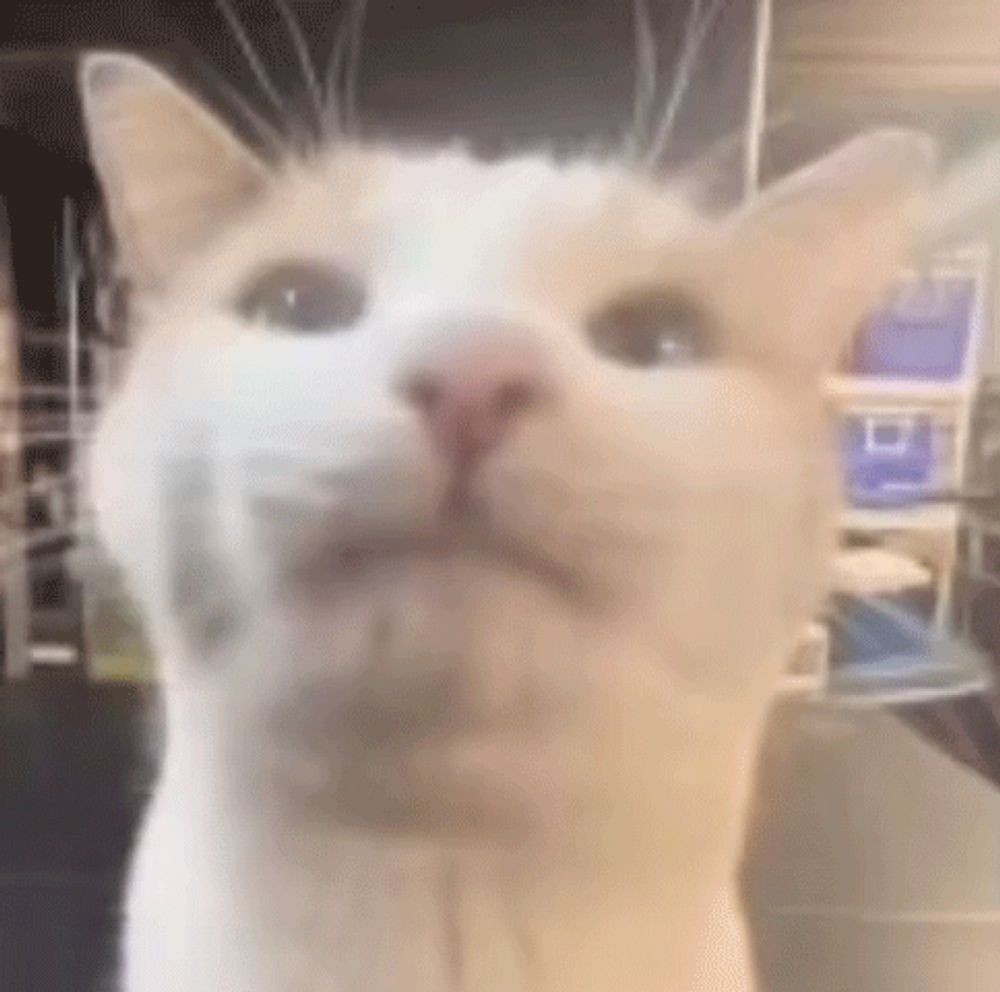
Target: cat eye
651 329
302 296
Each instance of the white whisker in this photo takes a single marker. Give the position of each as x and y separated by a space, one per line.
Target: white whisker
646 74
309 75
695 32
250 55
271 137
353 69
342 71
334 113
691 177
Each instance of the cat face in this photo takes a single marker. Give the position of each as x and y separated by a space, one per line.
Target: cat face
417 449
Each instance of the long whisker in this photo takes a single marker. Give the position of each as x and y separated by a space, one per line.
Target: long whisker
646 73
342 70
273 139
681 67
353 71
266 135
250 55
309 75
334 112
691 176
696 31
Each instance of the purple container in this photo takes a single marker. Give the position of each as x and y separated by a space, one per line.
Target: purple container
887 461
924 332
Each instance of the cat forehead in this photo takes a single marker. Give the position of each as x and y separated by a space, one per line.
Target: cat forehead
451 187
569 231
517 182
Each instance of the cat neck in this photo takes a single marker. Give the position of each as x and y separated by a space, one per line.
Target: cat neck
621 898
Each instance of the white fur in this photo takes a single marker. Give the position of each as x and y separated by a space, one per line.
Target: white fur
692 503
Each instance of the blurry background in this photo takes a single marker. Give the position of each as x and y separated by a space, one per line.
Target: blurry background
849 870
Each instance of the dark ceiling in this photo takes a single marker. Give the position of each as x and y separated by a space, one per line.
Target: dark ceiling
496 71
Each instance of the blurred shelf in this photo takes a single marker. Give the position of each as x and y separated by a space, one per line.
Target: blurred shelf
813 81
864 50
908 680
911 518
878 571
899 392
51 654
932 667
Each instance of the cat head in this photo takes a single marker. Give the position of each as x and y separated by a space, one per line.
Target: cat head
413 441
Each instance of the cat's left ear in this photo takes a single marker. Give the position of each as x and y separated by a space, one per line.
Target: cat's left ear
173 174
819 248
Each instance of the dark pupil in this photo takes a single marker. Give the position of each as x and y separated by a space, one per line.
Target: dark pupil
303 298
655 329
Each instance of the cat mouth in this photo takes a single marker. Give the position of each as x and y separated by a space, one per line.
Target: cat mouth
354 557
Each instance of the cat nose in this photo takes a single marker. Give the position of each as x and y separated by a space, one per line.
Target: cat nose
470 400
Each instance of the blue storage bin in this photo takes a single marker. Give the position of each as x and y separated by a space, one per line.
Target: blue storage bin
923 332
886 649
888 460
880 630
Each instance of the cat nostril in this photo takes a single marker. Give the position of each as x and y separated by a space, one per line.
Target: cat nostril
470 401
501 398
422 392
515 397
504 398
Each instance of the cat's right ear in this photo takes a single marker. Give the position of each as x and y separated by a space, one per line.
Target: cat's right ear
172 173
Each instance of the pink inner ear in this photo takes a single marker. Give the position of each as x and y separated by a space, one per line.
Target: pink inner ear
872 167
801 277
172 174
819 249
823 245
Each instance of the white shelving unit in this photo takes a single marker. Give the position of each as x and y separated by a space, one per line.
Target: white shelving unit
936 527
841 57
902 394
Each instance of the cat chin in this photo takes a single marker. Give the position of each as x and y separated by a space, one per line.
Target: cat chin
432 702
443 766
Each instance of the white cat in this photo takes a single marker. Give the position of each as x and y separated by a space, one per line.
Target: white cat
474 509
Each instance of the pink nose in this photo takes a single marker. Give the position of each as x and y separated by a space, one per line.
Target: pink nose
470 399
